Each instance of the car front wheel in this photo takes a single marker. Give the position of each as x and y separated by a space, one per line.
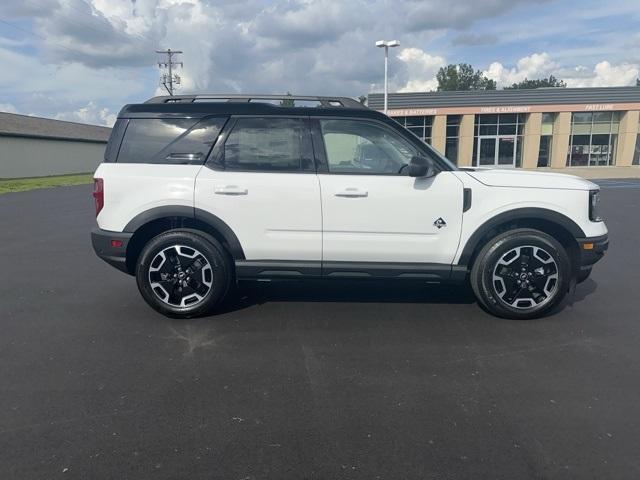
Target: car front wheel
521 274
183 273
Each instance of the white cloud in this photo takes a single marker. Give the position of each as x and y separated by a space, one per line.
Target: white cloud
421 70
303 46
91 114
604 74
541 65
45 89
100 53
8 108
534 66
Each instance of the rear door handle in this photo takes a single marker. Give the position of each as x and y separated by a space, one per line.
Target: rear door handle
352 192
230 190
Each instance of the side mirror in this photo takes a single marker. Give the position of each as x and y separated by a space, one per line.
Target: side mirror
421 167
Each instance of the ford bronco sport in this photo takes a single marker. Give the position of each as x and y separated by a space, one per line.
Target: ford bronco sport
197 192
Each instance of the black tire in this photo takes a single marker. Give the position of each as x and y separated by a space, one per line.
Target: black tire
189 268
521 274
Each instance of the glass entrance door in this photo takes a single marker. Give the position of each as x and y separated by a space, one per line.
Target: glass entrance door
506 151
496 151
486 151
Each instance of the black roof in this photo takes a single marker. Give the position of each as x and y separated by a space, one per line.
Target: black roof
315 100
481 98
184 105
15 125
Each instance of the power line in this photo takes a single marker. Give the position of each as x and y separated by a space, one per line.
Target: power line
24 30
168 78
92 25
96 24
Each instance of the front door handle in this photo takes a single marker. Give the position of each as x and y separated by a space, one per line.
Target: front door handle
230 190
352 192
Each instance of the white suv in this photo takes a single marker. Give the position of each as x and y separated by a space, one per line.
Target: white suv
198 192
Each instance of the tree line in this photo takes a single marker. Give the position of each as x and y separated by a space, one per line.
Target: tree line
463 77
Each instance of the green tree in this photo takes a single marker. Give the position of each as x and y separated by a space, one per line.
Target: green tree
288 102
539 83
463 77
362 99
637 82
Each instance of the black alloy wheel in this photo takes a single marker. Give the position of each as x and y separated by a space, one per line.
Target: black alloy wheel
183 273
521 274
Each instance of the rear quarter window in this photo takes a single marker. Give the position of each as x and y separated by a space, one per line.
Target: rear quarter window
113 145
181 141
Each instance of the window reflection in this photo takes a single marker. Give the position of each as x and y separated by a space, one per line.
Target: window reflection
593 139
418 125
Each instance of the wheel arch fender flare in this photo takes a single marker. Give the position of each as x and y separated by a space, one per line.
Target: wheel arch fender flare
197 215
522 214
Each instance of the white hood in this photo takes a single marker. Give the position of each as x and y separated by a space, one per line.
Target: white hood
528 179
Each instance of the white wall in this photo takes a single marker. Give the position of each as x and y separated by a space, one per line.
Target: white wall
36 157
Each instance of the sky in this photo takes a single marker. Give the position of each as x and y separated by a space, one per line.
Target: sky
81 60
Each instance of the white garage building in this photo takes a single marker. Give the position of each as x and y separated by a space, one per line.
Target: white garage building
38 147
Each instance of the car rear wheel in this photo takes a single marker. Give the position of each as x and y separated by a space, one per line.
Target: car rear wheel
183 273
521 274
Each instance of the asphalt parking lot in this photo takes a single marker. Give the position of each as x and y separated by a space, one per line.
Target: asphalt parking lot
311 381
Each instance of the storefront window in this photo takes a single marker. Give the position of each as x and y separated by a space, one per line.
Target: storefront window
636 153
498 140
547 123
593 139
546 136
544 154
420 126
451 147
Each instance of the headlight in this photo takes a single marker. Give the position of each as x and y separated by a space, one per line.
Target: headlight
594 206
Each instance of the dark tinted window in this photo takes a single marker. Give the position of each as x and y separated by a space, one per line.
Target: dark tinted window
169 140
266 144
111 152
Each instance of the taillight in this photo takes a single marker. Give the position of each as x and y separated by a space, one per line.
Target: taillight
98 194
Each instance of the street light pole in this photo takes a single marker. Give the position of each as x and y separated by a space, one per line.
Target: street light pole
386 45
386 76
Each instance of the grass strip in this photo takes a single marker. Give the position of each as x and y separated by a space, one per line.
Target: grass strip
24 184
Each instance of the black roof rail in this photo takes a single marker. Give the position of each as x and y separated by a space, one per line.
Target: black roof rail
323 101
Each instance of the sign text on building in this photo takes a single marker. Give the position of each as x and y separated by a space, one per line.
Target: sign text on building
603 106
506 109
413 112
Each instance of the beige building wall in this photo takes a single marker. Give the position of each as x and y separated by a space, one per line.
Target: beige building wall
465 140
627 133
560 140
531 140
439 133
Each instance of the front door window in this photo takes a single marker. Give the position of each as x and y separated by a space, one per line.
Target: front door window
359 147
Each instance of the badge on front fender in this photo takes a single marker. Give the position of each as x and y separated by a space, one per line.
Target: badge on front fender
439 223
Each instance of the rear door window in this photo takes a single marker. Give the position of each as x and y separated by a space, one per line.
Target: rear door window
181 141
268 145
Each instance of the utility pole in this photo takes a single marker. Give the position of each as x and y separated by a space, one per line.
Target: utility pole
169 79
